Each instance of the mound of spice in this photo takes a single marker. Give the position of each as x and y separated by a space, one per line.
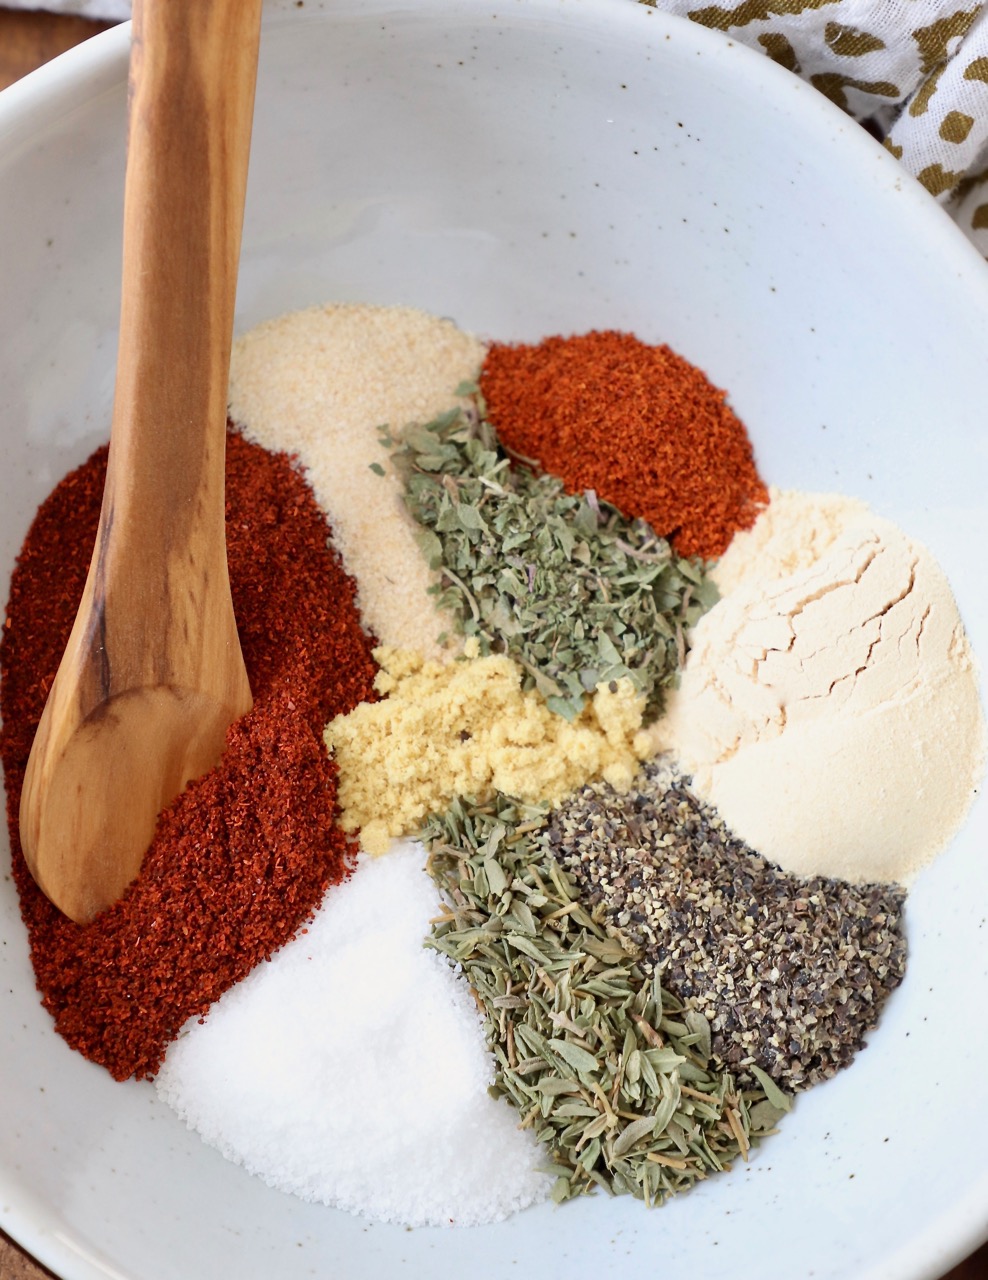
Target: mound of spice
467 728
319 383
419 1141
848 675
594 1054
243 857
792 973
575 592
637 423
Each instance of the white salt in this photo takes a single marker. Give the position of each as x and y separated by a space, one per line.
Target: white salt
353 1070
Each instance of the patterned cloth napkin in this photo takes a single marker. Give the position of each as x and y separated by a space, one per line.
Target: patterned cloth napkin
914 72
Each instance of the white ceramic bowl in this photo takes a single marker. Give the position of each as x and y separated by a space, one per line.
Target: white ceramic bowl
537 167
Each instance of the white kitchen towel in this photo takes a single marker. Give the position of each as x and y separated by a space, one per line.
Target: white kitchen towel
914 72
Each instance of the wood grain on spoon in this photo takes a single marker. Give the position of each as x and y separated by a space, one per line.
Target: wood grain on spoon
153 674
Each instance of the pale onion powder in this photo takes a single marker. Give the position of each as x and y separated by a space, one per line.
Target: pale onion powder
829 708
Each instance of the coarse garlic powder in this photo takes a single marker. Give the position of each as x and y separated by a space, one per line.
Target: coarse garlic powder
321 383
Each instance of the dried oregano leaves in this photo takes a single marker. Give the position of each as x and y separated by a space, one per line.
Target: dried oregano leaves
602 1063
564 584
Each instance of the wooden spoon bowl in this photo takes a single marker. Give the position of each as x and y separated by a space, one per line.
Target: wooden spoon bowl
153 674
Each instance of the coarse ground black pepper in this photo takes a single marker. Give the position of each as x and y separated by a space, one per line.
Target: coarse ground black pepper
791 973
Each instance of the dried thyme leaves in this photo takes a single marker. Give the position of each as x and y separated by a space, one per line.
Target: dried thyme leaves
791 973
564 584
602 1063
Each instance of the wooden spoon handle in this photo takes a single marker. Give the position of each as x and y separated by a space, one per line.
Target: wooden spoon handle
191 106
152 674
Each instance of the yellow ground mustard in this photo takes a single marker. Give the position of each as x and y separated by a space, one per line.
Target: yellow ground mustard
467 728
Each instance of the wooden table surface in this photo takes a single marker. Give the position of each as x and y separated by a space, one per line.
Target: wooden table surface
28 39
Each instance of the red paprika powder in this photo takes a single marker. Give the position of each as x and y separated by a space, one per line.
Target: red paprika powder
243 857
638 424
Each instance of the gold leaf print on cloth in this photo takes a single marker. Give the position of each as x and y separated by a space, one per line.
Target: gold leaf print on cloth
861 53
780 50
955 126
924 94
849 42
914 71
933 41
752 11
972 207
936 179
943 133
834 85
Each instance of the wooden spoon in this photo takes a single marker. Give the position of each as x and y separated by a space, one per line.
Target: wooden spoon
153 674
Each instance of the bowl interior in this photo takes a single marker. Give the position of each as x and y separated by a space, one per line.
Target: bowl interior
547 168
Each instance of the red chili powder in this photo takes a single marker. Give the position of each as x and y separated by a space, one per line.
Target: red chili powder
242 858
638 424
